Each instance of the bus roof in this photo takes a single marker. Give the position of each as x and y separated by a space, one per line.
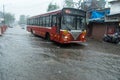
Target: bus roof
53 12
47 13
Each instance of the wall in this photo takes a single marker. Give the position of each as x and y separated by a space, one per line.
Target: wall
98 31
115 7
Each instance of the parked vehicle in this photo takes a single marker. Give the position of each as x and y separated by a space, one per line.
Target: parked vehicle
2 29
10 26
23 26
113 38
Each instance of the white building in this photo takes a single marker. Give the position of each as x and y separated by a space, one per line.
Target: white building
114 15
113 19
115 7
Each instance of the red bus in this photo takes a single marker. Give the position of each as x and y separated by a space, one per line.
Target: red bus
63 26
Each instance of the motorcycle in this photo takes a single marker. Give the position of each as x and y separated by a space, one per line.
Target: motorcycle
114 38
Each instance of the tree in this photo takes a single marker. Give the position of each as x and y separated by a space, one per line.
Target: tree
78 4
69 3
1 18
101 4
93 4
22 19
85 4
52 7
9 18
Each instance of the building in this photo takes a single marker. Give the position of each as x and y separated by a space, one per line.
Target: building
115 7
97 26
105 23
114 17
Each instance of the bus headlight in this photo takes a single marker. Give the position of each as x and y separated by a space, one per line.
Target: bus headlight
66 37
83 36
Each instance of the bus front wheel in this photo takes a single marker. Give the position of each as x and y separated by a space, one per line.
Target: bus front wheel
47 37
31 31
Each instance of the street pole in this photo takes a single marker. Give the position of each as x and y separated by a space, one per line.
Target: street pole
84 5
4 14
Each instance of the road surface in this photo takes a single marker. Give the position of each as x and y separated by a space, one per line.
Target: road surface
26 57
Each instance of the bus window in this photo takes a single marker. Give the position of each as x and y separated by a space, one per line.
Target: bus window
54 22
38 21
32 21
47 21
50 21
43 21
58 23
68 22
80 22
71 22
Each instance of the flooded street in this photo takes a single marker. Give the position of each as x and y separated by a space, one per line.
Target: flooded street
26 57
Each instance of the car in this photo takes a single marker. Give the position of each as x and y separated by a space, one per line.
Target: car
23 26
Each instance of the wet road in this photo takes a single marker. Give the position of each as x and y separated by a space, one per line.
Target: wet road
25 57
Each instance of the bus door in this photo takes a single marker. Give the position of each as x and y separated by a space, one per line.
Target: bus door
56 26
56 23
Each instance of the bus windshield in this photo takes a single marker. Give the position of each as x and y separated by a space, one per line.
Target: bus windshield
73 22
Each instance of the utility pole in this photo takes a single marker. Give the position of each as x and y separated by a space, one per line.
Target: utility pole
4 14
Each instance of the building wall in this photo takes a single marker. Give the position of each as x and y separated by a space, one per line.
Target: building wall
98 31
115 7
111 28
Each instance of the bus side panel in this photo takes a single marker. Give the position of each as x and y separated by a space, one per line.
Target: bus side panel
29 28
39 30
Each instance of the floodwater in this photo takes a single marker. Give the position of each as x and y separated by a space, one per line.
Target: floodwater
26 57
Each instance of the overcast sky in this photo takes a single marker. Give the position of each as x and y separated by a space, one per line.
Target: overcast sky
27 7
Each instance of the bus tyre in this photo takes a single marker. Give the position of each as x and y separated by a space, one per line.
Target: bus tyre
31 31
47 37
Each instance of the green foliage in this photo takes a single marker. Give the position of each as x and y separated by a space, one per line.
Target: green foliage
93 4
52 7
69 3
9 18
